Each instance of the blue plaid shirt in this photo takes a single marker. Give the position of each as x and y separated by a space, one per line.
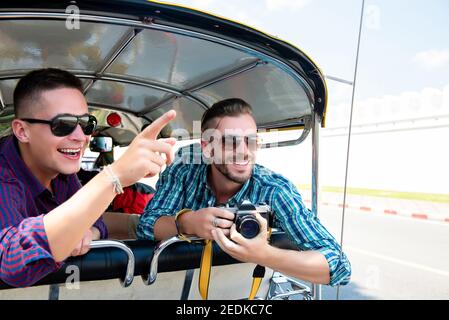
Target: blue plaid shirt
184 185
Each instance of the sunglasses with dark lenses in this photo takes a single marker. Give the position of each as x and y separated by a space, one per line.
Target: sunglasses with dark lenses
235 141
64 124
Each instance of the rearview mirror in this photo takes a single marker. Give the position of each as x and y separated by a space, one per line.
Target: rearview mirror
101 144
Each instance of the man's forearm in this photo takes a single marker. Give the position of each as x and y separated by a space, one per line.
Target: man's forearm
66 224
164 228
117 224
305 265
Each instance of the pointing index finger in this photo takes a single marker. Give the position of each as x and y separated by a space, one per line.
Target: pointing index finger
156 126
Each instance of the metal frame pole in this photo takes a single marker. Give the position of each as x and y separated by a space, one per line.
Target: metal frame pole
316 289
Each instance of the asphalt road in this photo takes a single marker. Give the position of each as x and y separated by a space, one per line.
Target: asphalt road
392 257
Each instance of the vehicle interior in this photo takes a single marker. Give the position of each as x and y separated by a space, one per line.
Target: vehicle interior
137 60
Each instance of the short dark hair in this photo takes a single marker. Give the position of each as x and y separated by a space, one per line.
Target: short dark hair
30 87
229 107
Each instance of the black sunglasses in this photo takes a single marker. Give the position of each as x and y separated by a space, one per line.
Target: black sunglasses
64 124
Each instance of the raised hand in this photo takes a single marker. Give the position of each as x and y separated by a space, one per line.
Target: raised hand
144 156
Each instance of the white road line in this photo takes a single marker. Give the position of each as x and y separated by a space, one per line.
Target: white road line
398 261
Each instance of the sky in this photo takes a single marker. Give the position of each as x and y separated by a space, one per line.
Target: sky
404 45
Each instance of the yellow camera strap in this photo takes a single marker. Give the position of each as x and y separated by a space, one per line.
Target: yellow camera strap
205 267
205 271
258 274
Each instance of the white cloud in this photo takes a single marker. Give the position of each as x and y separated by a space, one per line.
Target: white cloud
432 59
273 5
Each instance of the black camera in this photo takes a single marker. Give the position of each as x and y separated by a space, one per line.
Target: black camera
245 220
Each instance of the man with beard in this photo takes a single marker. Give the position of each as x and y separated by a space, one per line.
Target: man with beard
188 195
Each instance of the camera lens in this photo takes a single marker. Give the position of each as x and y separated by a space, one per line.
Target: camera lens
249 227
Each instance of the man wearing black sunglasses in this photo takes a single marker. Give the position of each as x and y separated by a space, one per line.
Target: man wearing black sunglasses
45 215
189 192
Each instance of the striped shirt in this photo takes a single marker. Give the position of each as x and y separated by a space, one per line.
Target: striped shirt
25 255
184 185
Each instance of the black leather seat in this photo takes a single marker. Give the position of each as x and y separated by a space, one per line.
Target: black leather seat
111 263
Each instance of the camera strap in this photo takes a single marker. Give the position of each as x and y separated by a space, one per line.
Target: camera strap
205 271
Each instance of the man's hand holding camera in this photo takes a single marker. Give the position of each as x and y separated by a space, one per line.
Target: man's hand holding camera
203 221
243 249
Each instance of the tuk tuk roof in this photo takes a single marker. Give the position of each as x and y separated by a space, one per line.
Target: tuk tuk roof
142 58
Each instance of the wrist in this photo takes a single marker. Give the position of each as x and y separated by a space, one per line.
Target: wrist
114 178
117 173
265 255
183 224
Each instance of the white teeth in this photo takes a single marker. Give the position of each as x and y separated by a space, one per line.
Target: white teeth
70 150
241 163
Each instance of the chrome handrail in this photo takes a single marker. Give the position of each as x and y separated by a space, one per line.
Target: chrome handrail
288 143
161 246
128 279
150 278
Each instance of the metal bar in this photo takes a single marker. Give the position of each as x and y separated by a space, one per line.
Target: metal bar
229 74
150 278
316 289
300 121
149 84
88 86
19 73
315 162
129 276
119 48
122 79
53 292
121 45
304 134
187 284
2 102
128 80
339 80
93 76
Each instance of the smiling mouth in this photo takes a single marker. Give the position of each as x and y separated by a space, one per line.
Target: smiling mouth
241 163
70 152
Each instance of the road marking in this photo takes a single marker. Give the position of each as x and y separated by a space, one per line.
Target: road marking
419 216
398 261
376 213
